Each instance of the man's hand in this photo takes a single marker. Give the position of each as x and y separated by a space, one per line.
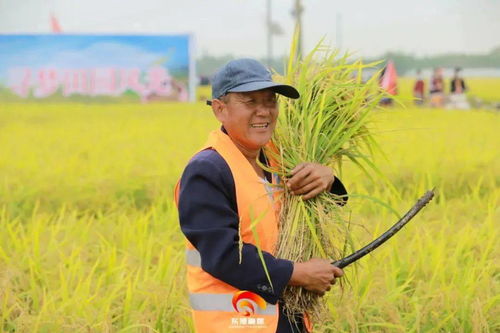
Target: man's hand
316 275
310 179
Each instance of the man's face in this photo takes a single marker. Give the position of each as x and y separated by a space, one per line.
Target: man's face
250 117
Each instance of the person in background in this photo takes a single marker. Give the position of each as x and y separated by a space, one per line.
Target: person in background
458 99
419 89
436 88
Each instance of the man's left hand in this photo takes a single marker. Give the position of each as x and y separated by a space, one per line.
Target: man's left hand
310 179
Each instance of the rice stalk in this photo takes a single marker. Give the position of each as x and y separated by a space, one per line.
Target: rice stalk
327 124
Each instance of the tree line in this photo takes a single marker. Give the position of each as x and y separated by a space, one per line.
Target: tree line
208 64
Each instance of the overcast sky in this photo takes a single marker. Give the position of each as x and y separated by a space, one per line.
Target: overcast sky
368 27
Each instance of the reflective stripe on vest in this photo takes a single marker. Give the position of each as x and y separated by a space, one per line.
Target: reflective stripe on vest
223 302
193 257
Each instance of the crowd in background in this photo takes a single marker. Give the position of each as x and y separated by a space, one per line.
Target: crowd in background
437 97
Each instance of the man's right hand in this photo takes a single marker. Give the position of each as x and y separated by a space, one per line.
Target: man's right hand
316 275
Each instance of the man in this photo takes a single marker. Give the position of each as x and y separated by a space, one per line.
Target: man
436 88
227 212
458 99
419 89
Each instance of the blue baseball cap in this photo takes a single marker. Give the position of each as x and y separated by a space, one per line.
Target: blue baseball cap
243 75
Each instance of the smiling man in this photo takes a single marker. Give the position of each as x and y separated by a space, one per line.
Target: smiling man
227 212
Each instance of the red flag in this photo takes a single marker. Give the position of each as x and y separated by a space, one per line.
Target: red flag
389 80
56 28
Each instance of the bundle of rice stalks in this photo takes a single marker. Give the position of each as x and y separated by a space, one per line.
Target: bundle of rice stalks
328 123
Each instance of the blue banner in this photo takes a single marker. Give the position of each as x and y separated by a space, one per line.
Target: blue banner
79 67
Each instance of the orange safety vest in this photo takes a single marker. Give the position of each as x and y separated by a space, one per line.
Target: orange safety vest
217 306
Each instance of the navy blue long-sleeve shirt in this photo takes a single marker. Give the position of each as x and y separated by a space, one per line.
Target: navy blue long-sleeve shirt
209 219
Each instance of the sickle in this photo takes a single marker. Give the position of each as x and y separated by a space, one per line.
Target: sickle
388 234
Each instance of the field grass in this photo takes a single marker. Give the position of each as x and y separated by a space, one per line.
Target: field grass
89 238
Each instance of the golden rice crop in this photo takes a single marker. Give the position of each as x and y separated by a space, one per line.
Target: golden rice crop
89 238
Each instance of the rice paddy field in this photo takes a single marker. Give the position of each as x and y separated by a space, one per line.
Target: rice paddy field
90 242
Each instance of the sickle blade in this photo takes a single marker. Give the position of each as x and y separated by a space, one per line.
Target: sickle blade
424 200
